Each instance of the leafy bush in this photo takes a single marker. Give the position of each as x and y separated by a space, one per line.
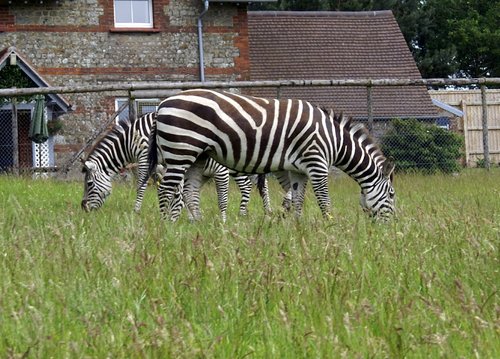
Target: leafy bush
481 163
426 148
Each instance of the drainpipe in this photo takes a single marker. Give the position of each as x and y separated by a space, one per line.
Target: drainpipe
200 40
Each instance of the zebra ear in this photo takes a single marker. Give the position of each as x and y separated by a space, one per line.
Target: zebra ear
388 168
91 166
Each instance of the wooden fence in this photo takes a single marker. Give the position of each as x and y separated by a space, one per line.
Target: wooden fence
470 102
477 125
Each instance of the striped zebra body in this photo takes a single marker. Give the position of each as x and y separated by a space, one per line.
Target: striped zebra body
128 142
124 144
254 135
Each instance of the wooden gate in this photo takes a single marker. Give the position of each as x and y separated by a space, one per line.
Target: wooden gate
469 101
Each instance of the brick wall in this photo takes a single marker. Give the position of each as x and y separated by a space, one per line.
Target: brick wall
75 42
6 19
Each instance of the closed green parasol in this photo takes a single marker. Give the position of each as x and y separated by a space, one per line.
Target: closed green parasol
38 129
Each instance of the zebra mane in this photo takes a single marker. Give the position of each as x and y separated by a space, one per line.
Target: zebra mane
358 133
114 131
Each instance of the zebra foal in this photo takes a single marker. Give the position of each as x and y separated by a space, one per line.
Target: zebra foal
257 135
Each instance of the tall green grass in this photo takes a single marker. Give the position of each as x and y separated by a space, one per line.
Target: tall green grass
113 283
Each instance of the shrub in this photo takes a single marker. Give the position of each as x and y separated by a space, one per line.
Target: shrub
54 126
481 163
415 145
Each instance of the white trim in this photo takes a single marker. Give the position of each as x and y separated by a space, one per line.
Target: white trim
118 102
119 99
447 107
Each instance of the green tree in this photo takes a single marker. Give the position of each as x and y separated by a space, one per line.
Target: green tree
458 38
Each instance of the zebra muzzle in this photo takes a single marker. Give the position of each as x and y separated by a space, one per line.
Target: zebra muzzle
85 206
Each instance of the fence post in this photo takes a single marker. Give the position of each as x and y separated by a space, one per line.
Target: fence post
486 147
466 132
131 106
15 138
369 102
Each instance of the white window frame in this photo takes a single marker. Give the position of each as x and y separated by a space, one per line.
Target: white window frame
135 24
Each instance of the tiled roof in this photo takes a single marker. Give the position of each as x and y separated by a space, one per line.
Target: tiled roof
337 45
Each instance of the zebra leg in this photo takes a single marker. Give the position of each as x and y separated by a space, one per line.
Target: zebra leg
298 183
287 201
221 179
284 180
177 204
193 182
170 183
142 181
245 186
319 184
263 188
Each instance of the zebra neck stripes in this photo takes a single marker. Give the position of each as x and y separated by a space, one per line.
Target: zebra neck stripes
122 144
125 143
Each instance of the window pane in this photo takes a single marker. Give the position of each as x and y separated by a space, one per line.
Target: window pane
146 109
123 11
133 13
147 105
140 11
124 114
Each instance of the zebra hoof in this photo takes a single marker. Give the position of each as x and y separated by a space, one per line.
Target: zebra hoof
328 216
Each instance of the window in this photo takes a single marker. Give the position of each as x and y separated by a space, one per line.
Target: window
134 13
142 106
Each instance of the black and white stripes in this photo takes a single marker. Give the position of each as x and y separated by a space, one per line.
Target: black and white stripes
127 142
256 135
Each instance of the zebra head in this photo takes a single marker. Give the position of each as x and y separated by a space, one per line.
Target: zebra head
97 186
378 200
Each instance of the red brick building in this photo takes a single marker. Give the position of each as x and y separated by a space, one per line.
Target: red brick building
66 42
69 42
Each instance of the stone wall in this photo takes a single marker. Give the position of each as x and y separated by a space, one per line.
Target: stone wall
75 42
63 13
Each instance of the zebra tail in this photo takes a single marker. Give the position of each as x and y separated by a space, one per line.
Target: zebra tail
152 151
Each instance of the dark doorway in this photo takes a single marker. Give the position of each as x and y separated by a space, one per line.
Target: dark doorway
25 145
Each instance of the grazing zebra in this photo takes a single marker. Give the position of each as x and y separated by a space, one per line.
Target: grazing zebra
257 135
127 142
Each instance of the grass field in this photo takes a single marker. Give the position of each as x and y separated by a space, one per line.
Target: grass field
116 284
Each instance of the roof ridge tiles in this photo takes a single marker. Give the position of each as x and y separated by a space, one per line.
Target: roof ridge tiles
321 13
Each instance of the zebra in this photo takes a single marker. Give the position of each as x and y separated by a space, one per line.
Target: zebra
127 142
258 135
